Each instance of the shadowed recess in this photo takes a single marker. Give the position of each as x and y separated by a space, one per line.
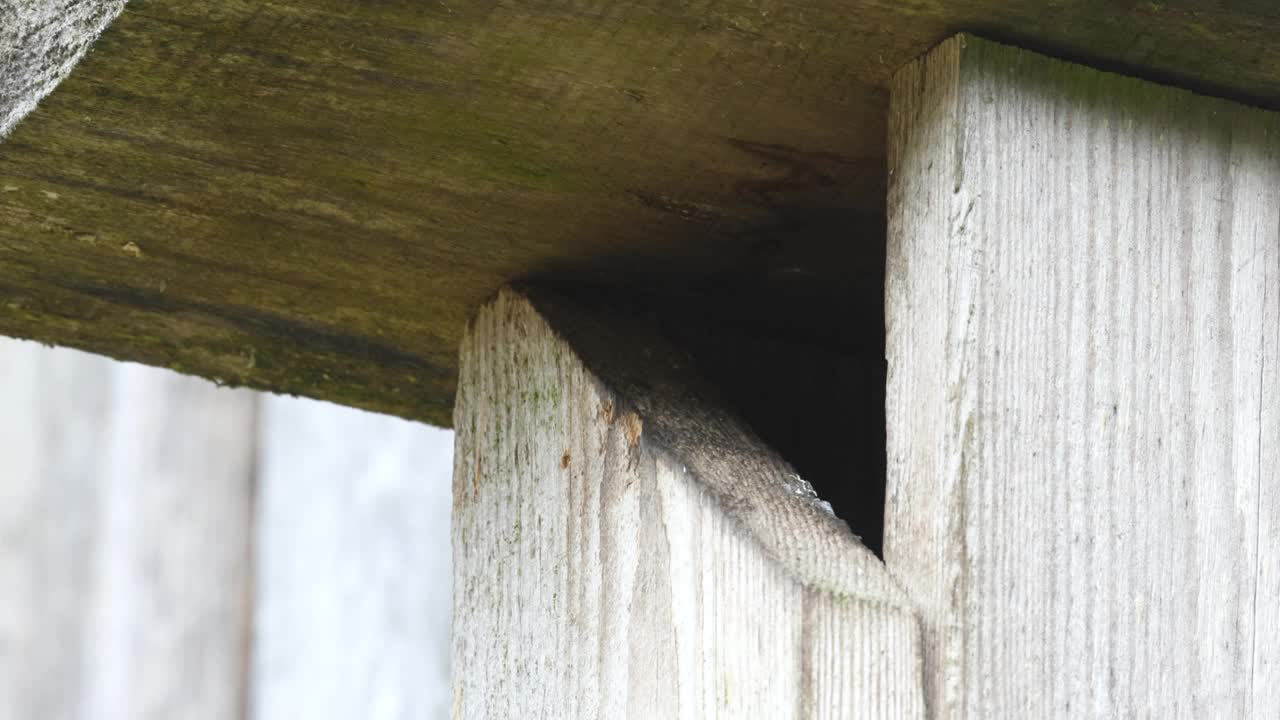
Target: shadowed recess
821 409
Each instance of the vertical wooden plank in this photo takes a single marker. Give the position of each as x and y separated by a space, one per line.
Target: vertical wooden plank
622 548
352 576
1081 314
124 523
1265 253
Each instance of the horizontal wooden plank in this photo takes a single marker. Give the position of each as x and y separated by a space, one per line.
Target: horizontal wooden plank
312 197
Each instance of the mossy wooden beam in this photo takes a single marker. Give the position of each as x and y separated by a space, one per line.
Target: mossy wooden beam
313 197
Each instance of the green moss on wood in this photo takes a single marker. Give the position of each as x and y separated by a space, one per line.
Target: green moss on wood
313 197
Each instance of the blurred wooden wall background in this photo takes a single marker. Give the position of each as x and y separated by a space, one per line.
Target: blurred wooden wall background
171 549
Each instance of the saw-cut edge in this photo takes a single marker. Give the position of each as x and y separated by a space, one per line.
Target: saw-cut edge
626 548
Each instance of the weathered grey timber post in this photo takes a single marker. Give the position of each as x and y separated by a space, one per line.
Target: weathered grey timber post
1083 310
624 549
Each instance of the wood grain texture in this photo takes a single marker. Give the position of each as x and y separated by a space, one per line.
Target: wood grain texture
352 599
313 196
624 549
124 540
1083 302
40 42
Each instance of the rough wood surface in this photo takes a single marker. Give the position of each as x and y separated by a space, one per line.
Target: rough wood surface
313 196
40 42
352 566
124 540
1083 302
624 549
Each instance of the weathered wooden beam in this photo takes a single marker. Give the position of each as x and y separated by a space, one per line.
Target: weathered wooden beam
1083 308
623 548
125 515
312 196
40 42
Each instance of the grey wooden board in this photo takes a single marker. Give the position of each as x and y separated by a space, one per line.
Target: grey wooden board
353 565
124 540
40 42
623 549
132 544
1083 305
